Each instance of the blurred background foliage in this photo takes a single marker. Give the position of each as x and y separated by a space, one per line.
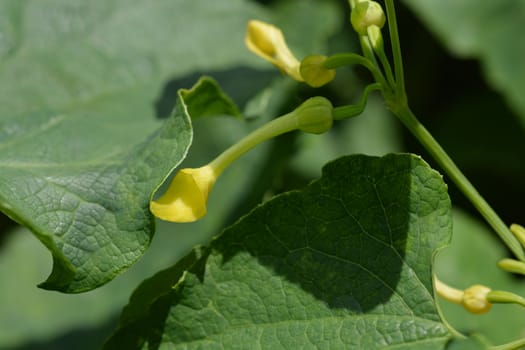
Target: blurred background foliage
454 87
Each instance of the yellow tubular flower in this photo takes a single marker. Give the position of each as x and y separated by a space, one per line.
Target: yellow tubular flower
267 42
185 200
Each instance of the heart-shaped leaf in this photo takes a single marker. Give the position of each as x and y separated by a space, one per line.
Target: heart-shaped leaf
344 263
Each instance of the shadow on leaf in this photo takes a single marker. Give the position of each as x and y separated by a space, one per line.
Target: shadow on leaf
342 262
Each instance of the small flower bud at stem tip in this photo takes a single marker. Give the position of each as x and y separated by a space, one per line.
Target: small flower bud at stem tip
519 232
475 299
511 265
315 115
367 13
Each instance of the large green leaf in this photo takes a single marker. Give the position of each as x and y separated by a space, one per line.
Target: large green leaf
344 263
485 30
29 315
89 205
79 151
58 53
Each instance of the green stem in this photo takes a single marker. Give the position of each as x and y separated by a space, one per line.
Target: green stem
386 66
396 46
346 59
315 115
276 127
380 52
404 113
349 111
368 51
504 297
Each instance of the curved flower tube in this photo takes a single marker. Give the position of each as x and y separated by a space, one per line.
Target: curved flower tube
186 198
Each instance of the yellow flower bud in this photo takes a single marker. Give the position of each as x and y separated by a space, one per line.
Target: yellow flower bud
267 41
367 13
313 71
475 299
186 198
511 265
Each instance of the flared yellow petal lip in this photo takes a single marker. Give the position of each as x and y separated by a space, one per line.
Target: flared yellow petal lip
187 196
267 42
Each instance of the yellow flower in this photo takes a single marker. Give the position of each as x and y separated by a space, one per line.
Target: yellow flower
185 200
267 41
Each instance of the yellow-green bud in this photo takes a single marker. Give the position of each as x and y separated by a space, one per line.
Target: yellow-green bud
367 13
519 232
314 115
187 196
267 41
511 265
313 71
475 299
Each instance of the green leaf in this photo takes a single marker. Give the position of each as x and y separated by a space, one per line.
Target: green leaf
78 84
23 261
90 209
485 30
58 53
207 99
344 263
29 315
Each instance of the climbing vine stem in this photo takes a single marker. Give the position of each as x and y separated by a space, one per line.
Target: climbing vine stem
399 105
396 47
408 118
